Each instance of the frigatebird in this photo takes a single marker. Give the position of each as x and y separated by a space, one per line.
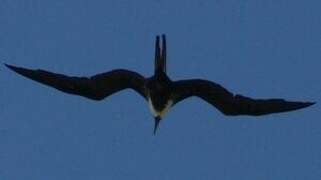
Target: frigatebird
159 90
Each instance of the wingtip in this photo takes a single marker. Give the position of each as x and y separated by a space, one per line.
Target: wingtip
9 66
310 103
306 104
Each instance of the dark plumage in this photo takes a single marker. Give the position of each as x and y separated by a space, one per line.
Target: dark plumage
159 90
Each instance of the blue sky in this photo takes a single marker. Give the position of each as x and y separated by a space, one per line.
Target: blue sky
257 48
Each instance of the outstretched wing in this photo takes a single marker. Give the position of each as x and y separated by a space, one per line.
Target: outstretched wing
230 104
96 87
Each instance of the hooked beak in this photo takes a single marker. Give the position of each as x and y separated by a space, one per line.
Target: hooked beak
157 120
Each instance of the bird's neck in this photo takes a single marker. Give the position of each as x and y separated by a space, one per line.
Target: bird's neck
159 112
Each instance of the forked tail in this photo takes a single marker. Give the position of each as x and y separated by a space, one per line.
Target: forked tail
160 55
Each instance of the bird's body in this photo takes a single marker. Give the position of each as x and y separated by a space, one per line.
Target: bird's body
159 90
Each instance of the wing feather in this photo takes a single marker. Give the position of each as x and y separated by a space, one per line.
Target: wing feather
231 104
96 87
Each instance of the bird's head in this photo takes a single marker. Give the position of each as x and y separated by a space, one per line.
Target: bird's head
157 120
159 113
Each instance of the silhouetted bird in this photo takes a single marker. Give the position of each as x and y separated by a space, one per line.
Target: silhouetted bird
159 90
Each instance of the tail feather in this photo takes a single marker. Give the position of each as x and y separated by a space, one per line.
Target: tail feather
164 53
157 53
160 55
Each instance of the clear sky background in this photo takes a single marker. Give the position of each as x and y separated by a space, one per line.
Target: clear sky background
257 48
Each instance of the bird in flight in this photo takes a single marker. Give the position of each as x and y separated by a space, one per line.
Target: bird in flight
159 90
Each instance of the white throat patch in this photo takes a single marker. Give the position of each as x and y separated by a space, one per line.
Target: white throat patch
161 113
